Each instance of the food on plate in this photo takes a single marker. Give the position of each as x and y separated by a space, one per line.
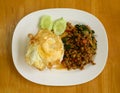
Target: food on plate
80 46
45 49
60 44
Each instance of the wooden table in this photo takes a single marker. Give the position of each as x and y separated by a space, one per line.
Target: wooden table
11 11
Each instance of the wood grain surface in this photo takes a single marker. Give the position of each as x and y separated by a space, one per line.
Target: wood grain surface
11 11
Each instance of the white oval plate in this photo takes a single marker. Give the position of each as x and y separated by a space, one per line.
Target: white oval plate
58 77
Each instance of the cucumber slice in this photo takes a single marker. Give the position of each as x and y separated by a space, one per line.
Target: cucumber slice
59 26
46 22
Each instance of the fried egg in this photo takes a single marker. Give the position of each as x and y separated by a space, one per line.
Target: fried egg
44 50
